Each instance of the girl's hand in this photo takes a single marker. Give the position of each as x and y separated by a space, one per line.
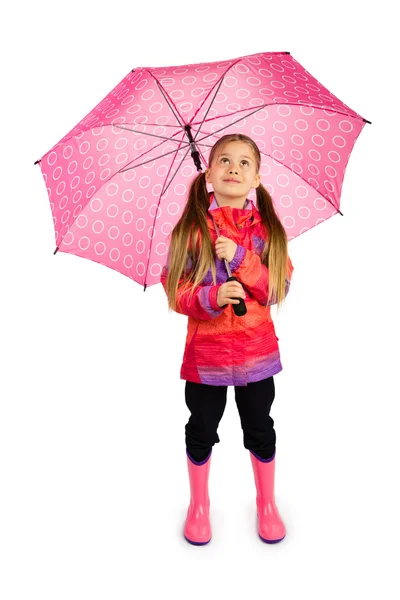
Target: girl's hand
229 293
225 248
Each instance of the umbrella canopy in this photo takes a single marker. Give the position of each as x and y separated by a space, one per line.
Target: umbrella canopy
118 181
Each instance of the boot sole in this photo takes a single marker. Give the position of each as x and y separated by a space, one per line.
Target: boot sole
271 541
196 543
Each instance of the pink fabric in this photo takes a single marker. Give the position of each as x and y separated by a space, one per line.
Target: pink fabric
110 210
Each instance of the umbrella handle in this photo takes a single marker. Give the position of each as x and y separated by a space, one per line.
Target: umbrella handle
240 309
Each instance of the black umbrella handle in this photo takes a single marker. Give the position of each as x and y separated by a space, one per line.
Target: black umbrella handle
240 309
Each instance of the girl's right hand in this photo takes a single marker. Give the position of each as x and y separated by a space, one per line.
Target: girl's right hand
228 292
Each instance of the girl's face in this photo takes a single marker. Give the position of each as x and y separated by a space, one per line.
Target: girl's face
233 171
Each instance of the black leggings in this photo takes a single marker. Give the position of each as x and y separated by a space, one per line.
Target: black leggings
207 404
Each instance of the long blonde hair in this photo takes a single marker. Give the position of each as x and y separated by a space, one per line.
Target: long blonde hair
191 239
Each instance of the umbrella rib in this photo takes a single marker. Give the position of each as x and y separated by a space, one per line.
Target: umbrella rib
166 99
198 130
210 92
165 189
64 141
221 129
265 154
233 122
208 109
225 116
301 177
158 125
162 137
161 194
147 152
355 117
151 160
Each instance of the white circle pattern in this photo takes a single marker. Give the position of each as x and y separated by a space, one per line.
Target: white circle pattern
304 132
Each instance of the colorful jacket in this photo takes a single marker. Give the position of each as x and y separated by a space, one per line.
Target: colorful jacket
222 348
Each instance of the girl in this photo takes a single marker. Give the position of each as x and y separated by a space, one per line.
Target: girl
222 348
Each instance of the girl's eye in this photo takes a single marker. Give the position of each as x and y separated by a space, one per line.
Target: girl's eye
246 162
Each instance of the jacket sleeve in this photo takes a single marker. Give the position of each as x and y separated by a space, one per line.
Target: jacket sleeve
253 274
203 304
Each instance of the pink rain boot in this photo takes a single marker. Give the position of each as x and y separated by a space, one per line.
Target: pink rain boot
270 526
197 529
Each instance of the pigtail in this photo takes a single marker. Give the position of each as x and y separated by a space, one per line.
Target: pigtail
275 253
191 252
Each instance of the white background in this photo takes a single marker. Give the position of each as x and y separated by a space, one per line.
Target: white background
93 475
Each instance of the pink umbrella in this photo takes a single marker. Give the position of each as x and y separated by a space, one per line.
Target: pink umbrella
118 181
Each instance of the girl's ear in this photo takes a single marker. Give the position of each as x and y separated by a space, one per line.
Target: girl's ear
206 174
257 180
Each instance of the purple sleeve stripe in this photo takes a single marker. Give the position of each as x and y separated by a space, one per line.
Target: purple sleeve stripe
207 299
238 258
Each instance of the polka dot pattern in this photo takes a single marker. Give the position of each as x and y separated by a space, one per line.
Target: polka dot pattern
117 185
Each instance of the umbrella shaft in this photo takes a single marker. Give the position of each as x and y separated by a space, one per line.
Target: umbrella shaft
195 153
228 269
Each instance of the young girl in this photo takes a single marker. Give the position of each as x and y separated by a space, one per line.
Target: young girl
225 347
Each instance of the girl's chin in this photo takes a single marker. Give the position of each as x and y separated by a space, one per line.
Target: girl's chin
231 187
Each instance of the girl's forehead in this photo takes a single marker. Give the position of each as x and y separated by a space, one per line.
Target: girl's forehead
238 147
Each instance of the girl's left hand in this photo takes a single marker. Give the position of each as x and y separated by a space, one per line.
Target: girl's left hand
225 248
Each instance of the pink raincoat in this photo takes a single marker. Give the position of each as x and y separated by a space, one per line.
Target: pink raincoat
222 348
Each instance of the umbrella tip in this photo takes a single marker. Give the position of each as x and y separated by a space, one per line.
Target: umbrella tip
144 287
366 121
287 52
56 250
38 161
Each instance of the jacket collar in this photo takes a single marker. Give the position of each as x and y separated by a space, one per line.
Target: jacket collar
228 217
